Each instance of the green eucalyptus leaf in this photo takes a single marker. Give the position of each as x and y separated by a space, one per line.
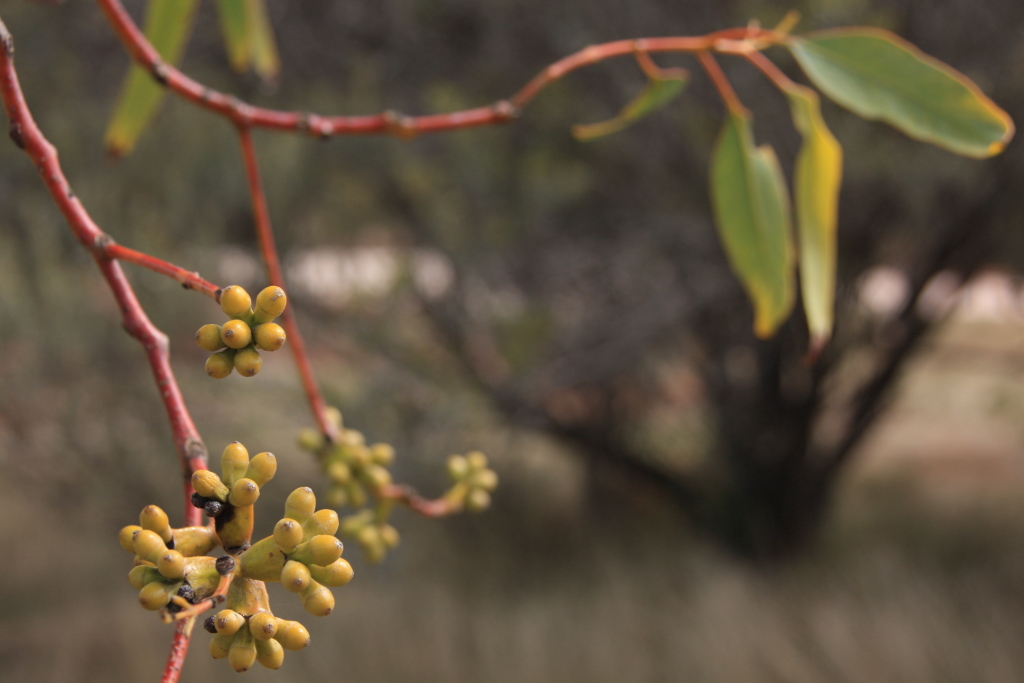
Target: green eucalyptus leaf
657 93
167 26
232 14
878 75
265 60
751 207
816 179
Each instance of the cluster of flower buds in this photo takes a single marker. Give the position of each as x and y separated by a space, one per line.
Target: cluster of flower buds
474 481
359 473
248 330
352 467
171 568
302 554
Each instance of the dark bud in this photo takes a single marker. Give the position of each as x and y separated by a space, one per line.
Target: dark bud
186 592
209 624
214 508
225 564
199 501
173 607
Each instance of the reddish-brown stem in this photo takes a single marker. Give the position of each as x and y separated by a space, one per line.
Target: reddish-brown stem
406 495
732 102
390 123
188 279
191 451
768 68
268 247
179 648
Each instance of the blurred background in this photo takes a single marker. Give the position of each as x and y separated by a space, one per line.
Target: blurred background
678 501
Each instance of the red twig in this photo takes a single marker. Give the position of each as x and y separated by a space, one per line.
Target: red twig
191 451
391 123
268 247
732 102
179 648
438 507
188 279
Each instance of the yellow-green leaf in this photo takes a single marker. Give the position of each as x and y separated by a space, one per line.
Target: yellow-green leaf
167 26
232 14
751 207
816 179
248 37
657 93
265 60
878 75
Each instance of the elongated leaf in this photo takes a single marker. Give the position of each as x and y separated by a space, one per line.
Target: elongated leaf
751 206
232 14
248 37
168 24
816 180
657 93
878 75
265 60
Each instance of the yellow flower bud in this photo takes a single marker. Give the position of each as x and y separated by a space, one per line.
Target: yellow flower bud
208 338
235 334
269 336
235 301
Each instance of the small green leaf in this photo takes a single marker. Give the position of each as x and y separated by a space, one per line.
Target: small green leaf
816 180
248 37
878 75
168 23
232 15
265 60
657 93
751 207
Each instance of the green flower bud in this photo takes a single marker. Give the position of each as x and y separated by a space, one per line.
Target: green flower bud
310 439
458 467
208 338
242 653
220 365
269 336
389 536
300 505
382 454
339 472
485 479
209 485
271 301
476 460
337 573
333 416
139 576
157 594
478 500
155 519
287 534
220 645
322 522
148 545
192 541
228 621
234 462
235 334
248 362
295 576
317 600
235 301
244 493
126 537
171 564
292 635
262 468
269 653
263 626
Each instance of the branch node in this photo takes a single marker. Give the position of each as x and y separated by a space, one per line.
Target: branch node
7 39
399 125
14 130
194 448
506 111
159 71
101 243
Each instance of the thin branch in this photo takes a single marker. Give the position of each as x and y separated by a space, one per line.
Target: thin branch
179 648
268 247
406 495
389 122
188 279
191 450
732 101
